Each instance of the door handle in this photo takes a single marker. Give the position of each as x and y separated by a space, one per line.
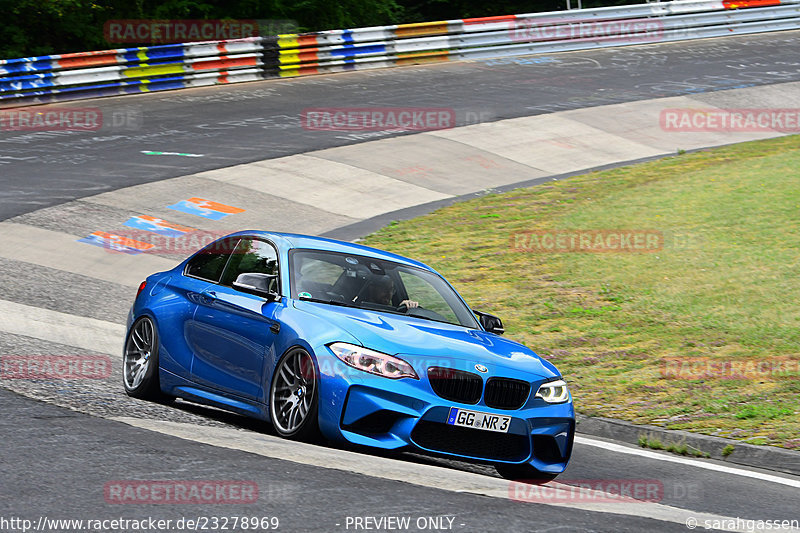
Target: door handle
208 296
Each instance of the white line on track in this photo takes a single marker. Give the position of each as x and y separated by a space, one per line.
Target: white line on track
560 495
619 448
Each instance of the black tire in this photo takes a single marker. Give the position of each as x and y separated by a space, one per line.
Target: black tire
523 473
294 397
142 343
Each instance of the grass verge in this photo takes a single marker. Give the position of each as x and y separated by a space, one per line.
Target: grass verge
701 334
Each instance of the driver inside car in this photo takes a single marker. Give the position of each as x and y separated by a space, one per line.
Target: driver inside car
380 291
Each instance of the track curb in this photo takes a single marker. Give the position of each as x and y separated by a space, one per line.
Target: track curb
768 457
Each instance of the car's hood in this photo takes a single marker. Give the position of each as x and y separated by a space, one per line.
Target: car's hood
428 343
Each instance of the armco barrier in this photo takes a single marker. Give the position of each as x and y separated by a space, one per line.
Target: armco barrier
129 70
358 49
43 79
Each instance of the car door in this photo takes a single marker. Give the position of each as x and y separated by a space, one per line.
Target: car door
234 332
178 297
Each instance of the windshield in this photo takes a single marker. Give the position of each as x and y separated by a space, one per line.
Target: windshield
368 283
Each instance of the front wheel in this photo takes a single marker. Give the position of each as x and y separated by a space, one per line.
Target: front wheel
524 473
294 396
140 361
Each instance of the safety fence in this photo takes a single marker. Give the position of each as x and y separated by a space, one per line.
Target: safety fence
129 71
44 79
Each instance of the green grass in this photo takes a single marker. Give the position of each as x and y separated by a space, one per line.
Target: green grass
763 412
723 288
679 448
727 450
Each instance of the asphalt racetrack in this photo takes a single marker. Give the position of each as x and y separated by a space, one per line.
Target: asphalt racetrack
64 443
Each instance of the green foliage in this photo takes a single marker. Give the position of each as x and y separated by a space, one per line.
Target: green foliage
727 450
763 412
323 14
422 10
46 27
41 27
679 448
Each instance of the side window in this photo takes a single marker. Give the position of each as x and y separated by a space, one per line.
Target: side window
317 275
209 262
419 290
316 271
251 256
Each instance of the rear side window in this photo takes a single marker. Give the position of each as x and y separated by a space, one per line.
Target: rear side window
209 262
251 256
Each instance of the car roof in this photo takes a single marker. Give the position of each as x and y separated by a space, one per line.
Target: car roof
298 241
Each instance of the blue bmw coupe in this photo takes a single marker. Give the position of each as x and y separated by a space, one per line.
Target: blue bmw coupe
359 345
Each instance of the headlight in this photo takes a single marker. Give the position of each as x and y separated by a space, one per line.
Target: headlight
554 391
377 363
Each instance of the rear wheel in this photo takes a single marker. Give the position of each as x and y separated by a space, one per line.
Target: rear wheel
524 473
140 361
294 396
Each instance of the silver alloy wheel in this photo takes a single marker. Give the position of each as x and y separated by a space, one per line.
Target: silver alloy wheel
293 391
138 352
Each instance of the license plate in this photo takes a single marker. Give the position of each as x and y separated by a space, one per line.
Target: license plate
478 420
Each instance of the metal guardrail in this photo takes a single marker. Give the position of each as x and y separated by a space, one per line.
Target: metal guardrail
32 80
129 70
342 50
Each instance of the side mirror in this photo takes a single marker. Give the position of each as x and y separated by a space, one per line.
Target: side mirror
490 323
257 284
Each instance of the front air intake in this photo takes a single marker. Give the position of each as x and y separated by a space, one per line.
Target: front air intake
455 385
505 393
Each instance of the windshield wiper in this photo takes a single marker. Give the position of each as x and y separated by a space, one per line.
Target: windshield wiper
429 318
389 311
329 302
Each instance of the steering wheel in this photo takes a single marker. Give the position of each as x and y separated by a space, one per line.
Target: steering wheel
403 307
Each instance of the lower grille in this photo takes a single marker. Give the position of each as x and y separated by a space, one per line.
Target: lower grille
471 442
504 393
546 449
455 385
377 423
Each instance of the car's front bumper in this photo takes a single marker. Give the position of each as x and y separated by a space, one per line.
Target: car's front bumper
369 410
